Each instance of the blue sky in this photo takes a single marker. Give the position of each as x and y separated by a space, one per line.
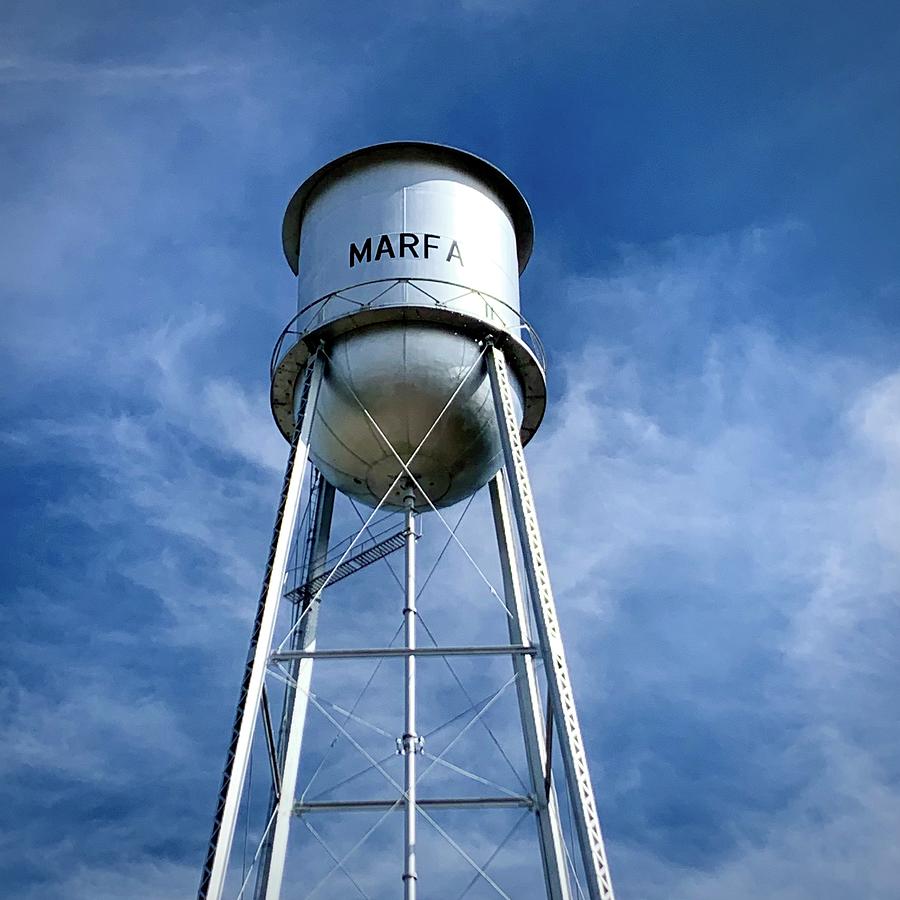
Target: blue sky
716 278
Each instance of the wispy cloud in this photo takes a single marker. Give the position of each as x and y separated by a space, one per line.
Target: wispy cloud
18 71
735 561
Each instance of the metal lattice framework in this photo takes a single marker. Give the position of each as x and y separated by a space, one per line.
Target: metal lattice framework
291 661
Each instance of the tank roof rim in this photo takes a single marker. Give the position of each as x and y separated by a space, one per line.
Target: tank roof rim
509 193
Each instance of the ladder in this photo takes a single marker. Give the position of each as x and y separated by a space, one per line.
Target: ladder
370 551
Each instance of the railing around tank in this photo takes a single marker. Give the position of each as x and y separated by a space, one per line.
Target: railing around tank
307 318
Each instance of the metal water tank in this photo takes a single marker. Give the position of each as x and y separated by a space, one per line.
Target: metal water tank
408 258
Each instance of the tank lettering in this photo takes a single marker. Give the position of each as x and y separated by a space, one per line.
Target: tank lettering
384 246
358 254
454 252
408 245
409 242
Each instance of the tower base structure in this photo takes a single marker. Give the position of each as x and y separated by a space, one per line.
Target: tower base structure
284 650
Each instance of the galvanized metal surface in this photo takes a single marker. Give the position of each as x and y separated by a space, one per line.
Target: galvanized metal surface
486 173
581 791
408 258
410 742
368 230
523 348
304 625
392 652
215 868
402 376
468 803
301 674
549 827
402 216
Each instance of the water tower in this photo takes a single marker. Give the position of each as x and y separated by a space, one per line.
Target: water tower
407 381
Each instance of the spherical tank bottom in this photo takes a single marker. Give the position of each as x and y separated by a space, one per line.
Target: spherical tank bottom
413 391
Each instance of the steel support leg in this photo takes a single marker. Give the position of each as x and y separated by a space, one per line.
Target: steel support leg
410 740
298 698
562 700
298 639
553 851
215 868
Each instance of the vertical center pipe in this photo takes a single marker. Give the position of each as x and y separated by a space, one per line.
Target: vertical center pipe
410 742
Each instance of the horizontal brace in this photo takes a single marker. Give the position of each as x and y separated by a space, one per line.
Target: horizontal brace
365 652
440 803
